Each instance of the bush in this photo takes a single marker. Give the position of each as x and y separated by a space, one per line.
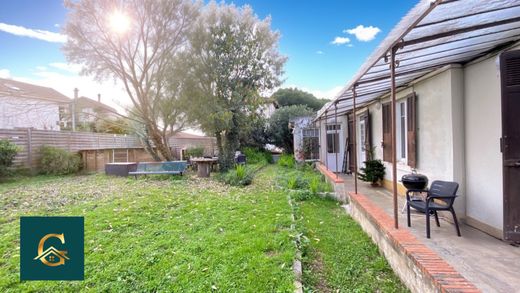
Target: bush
8 151
195 152
240 176
373 172
314 185
55 161
297 182
256 156
287 161
301 195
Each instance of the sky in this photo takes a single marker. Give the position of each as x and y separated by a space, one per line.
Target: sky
325 42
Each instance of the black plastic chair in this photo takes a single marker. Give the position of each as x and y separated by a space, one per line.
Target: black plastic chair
444 191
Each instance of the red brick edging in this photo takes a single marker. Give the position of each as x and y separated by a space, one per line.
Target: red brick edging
443 276
332 177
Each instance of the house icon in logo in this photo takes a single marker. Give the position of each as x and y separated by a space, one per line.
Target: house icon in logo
51 256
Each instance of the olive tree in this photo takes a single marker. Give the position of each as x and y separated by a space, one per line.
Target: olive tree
232 58
134 42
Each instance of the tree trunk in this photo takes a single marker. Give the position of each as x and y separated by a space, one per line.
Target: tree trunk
159 143
231 145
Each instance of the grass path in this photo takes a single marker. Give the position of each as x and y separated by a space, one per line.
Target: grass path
159 235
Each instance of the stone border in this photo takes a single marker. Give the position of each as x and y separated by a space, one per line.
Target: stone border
419 267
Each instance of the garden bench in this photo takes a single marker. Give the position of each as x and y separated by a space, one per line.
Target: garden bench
150 168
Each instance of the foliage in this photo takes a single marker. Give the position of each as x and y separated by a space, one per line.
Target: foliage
232 57
55 161
195 152
301 195
159 235
293 96
297 182
374 171
357 267
242 175
314 185
253 132
116 126
8 151
279 131
287 161
139 56
255 155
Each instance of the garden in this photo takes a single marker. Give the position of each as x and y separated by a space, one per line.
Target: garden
237 231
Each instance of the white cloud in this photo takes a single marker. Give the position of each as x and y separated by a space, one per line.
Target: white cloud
319 52
33 33
5 73
340 41
362 33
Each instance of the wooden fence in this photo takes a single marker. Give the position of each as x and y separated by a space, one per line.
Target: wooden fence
30 141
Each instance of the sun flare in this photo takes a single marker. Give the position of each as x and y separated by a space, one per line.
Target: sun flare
119 22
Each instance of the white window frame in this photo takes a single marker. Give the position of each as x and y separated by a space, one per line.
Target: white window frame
401 123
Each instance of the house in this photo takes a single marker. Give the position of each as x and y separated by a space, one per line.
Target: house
451 71
24 105
87 112
181 141
305 138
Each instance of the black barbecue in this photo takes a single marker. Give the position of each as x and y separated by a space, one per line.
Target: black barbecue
414 181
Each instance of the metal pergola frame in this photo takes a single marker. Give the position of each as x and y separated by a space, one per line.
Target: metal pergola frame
433 35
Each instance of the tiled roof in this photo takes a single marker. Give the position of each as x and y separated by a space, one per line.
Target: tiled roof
13 88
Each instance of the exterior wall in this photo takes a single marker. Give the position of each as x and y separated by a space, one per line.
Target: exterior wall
483 131
440 143
27 113
299 124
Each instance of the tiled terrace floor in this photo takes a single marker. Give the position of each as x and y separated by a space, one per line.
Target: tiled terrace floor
490 264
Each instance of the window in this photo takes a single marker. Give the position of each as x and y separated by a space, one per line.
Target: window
333 137
401 130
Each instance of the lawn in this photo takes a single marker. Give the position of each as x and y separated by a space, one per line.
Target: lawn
195 235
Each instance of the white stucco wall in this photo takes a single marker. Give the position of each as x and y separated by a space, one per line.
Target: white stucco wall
440 139
21 112
483 131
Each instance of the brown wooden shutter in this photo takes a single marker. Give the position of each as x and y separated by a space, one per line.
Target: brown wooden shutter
368 140
351 166
387 133
411 122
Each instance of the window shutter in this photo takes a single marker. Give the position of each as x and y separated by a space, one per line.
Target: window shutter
351 166
387 133
368 132
411 126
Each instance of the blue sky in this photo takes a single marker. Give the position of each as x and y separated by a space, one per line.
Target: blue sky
307 29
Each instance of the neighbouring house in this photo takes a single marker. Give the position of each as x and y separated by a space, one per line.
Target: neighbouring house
457 106
305 138
24 105
181 141
86 113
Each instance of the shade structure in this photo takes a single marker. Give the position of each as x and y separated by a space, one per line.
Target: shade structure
432 35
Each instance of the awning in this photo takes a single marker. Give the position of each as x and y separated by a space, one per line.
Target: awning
432 35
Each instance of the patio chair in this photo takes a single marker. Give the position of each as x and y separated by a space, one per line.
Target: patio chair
440 197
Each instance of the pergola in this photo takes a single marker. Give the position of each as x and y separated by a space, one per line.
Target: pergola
434 34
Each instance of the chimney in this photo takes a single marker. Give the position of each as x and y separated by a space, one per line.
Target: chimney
99 98
76 93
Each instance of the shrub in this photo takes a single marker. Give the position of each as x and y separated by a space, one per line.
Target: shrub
314 185
295 182
195 152
301 195
373 172
8 151
287 161
55 161
240 176
256 156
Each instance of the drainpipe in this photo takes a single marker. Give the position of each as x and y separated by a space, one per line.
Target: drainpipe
73 111
354 134
99 98
336 131
394 130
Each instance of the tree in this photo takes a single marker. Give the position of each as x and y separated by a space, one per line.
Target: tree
134 42
232 58
294 96
279 131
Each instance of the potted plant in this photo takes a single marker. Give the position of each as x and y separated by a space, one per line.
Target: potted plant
374 172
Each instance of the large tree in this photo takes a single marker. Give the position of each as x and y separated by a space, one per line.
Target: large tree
279 131
232 58
135 43
293 96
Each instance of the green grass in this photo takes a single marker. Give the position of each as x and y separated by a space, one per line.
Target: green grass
190 235
185 234
339 255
